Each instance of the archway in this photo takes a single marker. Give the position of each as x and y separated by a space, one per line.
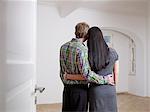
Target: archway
129 50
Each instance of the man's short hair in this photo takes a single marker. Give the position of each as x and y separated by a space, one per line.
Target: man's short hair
81 30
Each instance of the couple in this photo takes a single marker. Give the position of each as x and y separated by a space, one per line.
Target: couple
88 74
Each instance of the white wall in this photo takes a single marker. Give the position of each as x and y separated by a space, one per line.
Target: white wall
50 32
53 31
121 43
2 56
148 43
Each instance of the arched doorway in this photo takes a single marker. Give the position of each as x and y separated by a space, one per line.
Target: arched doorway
125 45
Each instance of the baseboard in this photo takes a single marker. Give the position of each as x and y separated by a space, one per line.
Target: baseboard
121 93
51 104
127 93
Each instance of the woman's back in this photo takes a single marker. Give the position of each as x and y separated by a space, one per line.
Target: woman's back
102 98
112 58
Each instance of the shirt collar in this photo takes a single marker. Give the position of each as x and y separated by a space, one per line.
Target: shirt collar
77 40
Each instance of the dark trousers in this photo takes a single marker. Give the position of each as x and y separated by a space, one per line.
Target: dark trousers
75 98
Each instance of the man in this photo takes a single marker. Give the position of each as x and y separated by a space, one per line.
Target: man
74 60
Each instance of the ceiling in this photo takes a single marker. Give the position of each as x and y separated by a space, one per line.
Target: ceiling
65 7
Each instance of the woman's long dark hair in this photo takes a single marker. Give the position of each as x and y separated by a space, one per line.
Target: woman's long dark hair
98 50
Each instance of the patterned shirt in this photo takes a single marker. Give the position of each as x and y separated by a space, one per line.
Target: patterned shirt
74 60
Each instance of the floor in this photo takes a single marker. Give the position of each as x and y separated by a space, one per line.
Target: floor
126 103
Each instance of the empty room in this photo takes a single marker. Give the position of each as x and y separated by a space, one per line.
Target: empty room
42 47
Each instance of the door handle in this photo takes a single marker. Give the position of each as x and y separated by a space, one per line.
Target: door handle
40 89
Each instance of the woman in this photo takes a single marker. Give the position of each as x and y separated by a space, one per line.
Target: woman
103 61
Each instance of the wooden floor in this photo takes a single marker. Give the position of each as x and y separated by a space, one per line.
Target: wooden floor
126 103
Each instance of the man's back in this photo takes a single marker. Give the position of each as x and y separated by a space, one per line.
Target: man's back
69 59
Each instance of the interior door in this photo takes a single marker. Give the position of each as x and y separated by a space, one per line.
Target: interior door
20 32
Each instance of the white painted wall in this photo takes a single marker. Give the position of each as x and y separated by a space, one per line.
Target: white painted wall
148 44
121 43
2 56
53 31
